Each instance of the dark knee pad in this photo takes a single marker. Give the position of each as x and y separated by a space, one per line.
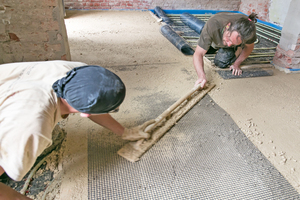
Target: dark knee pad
225 57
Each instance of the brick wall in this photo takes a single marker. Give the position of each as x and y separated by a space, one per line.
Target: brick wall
107 4
260 7
151 4
32 30
289 59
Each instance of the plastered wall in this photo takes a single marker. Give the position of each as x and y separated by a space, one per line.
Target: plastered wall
32 30
288 51
278 11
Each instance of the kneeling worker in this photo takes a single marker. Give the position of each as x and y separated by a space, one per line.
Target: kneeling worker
35 96
232 34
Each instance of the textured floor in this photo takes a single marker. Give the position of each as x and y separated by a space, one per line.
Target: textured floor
204 156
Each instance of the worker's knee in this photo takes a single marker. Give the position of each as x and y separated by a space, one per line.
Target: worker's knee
224 57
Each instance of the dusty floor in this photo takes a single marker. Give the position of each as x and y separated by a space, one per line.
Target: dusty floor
130 44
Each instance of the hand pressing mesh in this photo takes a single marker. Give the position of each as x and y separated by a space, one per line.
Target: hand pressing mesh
137 133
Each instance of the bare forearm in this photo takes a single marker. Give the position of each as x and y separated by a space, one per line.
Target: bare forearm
244 54
108 122
198 65
1 171
7 193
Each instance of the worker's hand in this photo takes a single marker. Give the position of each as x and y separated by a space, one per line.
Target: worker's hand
202 81
137 133
133 134
235 70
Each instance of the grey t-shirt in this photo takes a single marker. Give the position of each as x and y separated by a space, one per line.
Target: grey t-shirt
212 32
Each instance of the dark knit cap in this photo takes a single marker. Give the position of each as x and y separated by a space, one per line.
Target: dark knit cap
91 89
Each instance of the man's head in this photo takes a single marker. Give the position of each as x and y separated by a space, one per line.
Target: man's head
231 38
240 31
91 89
